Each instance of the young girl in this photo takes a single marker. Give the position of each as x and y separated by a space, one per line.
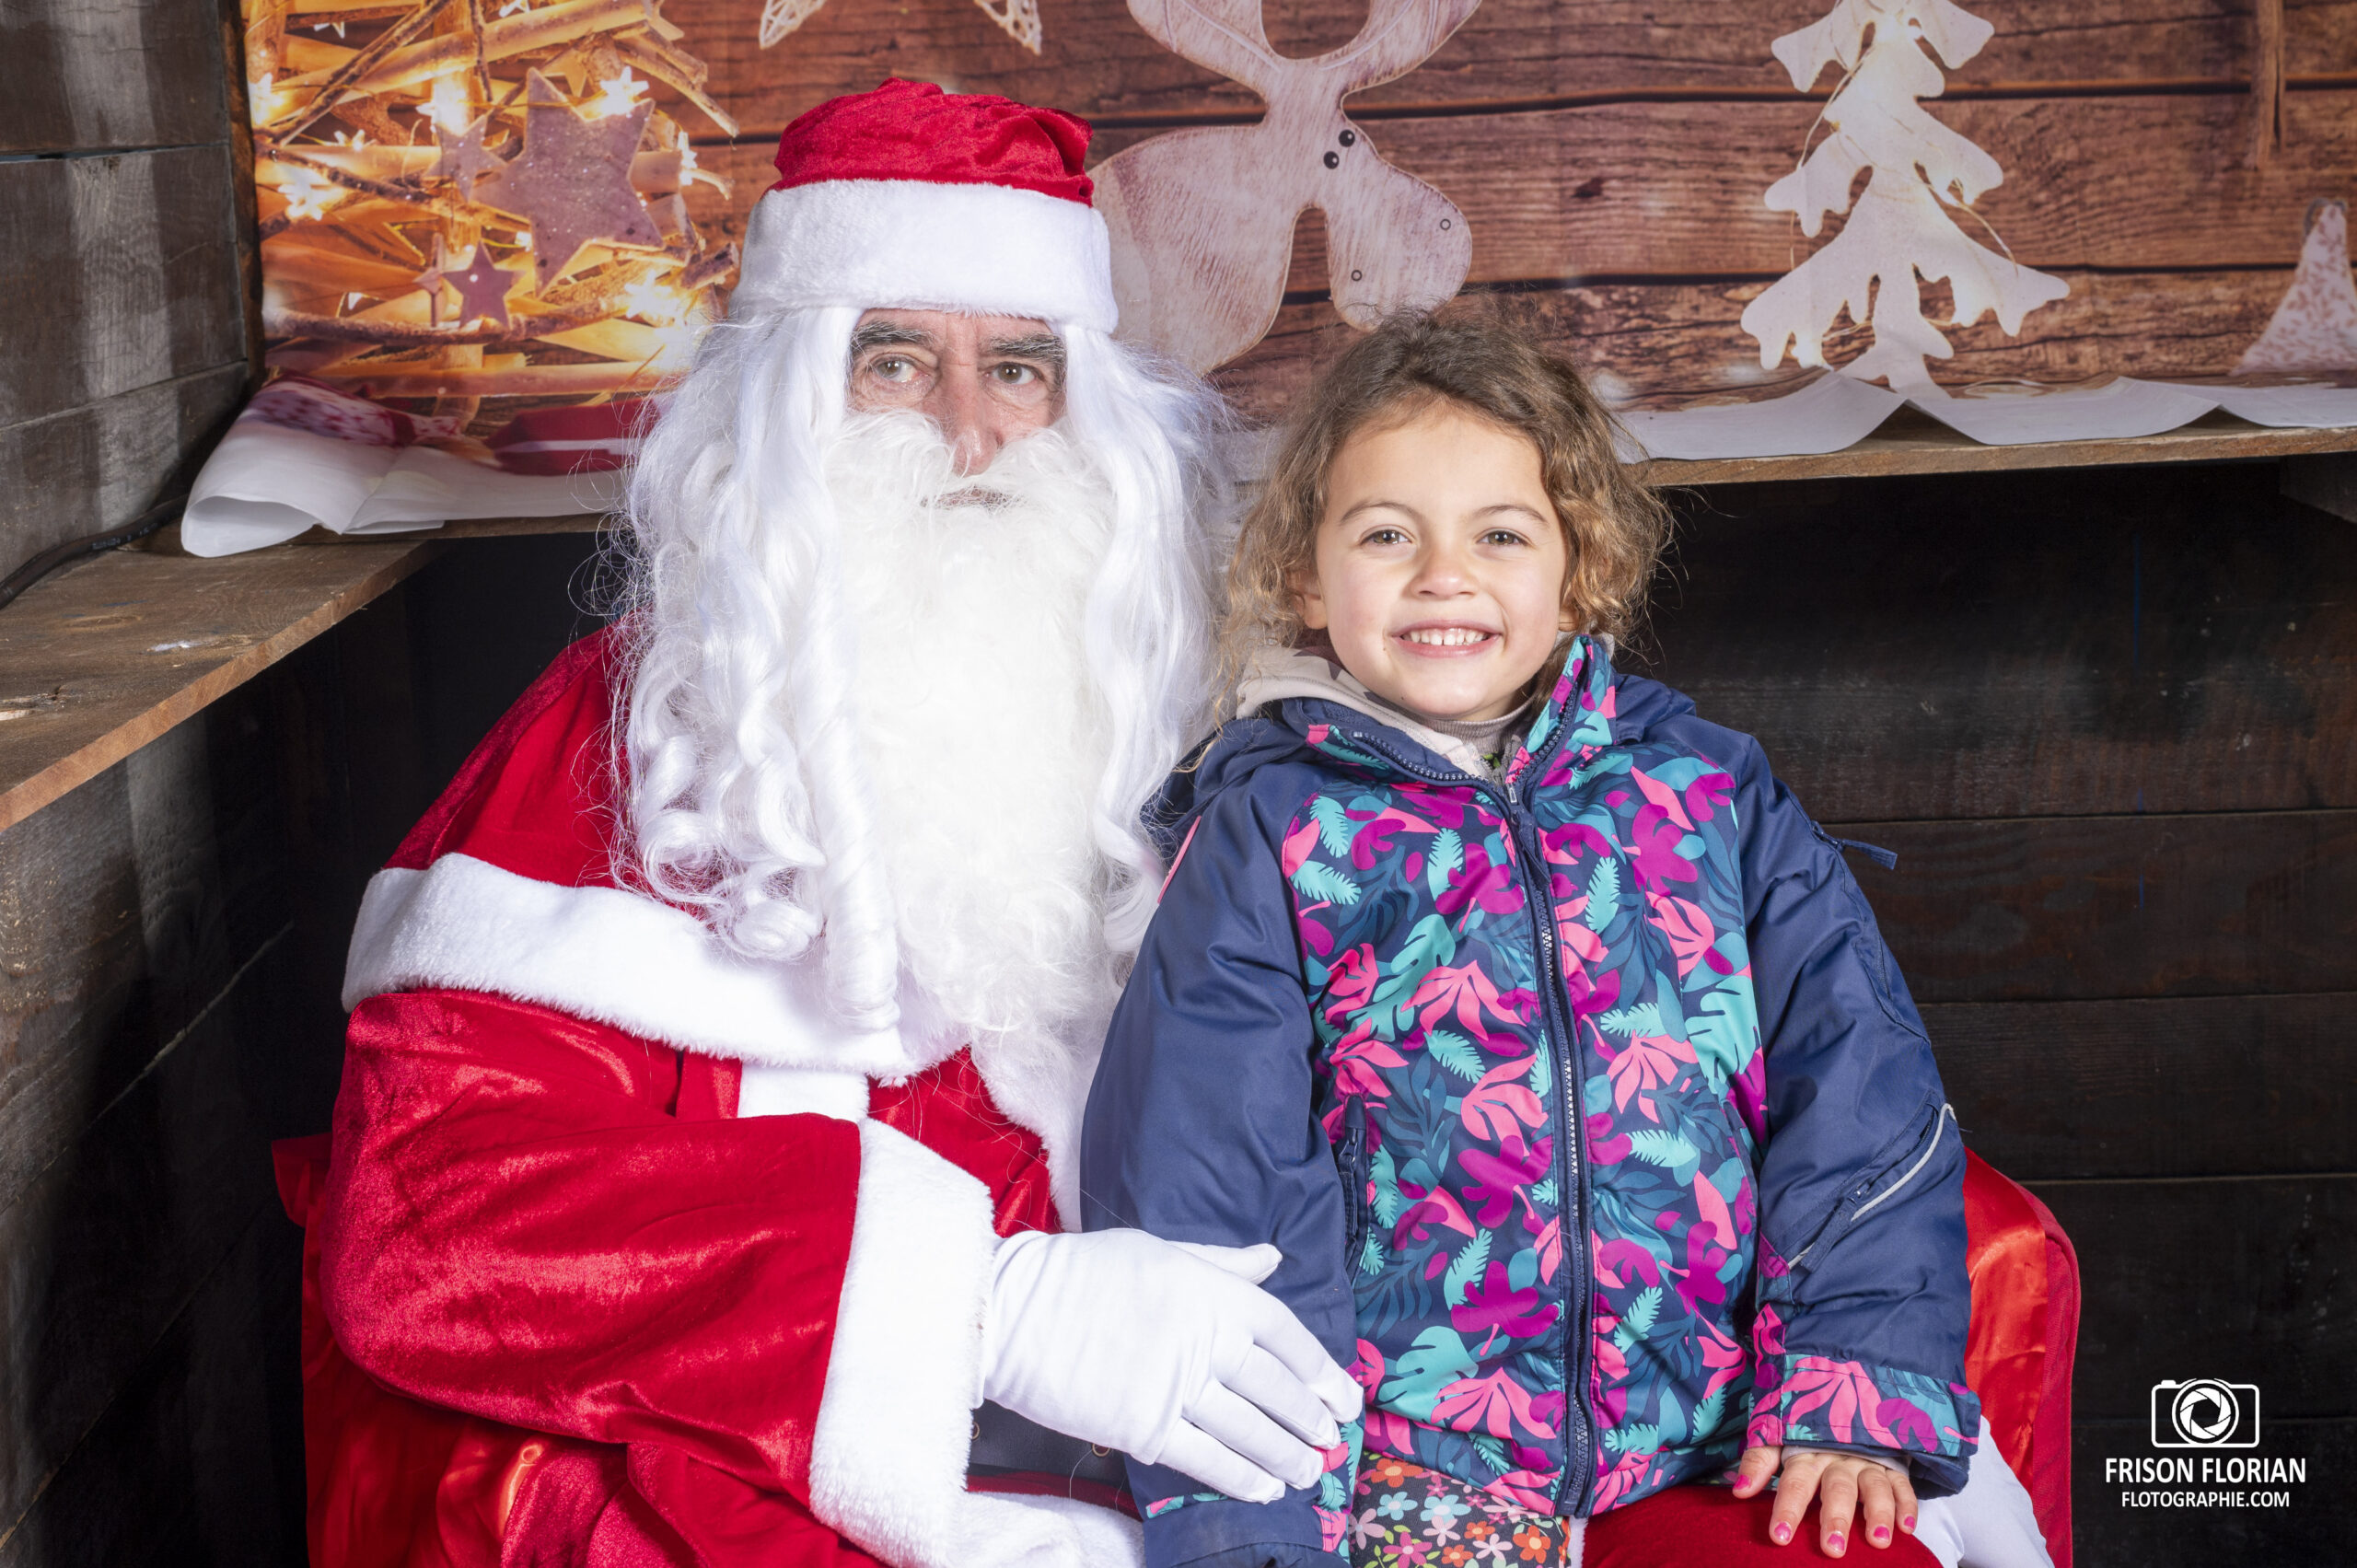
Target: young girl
1535 1024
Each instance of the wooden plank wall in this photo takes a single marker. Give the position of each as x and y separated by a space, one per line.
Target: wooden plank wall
1610 157
2109 722
121 202
152 942
171 946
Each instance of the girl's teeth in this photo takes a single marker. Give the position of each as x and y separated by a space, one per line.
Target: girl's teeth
1447 637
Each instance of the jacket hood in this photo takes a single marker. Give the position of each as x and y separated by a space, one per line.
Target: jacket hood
1276 675
1291 701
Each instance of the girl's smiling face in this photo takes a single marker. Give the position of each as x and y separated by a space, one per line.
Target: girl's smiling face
1439 566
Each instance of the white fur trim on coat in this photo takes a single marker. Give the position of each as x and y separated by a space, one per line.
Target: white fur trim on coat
887 1464
636 963
601 953
984 249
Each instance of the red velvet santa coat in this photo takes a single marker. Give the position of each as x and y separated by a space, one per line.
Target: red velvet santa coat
596 1309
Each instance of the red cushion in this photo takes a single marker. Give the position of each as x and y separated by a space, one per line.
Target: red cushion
1708 1527
2024 1336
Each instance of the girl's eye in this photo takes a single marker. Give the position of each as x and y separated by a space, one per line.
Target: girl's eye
1384 536
1502 536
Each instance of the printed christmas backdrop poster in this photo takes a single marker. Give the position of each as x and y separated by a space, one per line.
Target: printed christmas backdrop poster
491 230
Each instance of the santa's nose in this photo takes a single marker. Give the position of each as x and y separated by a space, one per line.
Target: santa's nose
968 422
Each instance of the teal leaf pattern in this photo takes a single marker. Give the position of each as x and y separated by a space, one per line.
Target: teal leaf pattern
1603 893
1455 1052
1438 1026
1467 1267
1321 882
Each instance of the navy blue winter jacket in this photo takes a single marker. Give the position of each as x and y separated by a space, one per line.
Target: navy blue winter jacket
1593 1118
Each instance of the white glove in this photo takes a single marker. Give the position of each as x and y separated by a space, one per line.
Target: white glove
1169 1352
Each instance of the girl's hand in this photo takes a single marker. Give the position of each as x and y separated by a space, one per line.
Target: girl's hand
1839 1482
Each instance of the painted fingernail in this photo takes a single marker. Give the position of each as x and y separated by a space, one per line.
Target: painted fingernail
1836 1543
1908 1523
1782 1533
1881 1534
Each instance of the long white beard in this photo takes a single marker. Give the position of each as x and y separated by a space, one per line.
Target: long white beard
980 730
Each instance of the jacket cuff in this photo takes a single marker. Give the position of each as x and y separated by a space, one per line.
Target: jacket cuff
1187 1527
1806 1399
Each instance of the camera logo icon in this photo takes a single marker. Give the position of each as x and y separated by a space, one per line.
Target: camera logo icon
2204 1412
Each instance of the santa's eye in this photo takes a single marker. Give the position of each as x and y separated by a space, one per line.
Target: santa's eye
892 367
1016 375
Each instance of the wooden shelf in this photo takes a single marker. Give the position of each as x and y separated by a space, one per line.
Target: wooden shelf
1909 442
107 656
103 657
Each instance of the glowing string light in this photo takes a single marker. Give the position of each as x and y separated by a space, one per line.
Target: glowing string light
654 302
447 107
269 102
616 95
308 194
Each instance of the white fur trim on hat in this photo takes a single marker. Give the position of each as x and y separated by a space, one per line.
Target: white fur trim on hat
981 250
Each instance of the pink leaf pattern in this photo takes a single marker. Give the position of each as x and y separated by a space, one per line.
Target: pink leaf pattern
1482 1127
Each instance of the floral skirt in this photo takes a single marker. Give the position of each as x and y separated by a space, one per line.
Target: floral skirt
1406 1516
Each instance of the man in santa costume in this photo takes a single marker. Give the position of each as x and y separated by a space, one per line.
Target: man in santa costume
720 1037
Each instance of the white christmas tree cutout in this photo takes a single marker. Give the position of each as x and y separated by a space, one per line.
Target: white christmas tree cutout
2315 327
1019 19
1916 170
1919 173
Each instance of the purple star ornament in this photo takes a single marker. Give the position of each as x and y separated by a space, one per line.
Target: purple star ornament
572 180
483 288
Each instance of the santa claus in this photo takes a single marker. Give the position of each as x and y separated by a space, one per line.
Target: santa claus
720 1037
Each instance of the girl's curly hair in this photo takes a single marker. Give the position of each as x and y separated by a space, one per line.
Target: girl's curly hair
1614 525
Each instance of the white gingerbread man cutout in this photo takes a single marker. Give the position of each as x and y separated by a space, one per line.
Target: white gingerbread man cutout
1202 220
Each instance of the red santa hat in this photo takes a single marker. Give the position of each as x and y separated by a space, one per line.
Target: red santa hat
913 197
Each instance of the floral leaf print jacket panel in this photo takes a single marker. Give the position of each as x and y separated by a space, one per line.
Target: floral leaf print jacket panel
1586 1105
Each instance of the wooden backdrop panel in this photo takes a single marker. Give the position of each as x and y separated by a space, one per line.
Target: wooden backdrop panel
1669 341
2053 1090
1604 147
2069 644
1096 61
1651 190
2085 908
123 272
99 465
2250 1281
111 73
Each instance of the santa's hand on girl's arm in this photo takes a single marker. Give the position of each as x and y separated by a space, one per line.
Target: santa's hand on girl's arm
1845 1486
1171 1352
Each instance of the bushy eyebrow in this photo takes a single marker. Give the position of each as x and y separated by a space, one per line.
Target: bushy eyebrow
1045 349
887 334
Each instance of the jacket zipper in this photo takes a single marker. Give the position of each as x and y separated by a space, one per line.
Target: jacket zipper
1571 1147
1939 1126
1571 1153
1353 1162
